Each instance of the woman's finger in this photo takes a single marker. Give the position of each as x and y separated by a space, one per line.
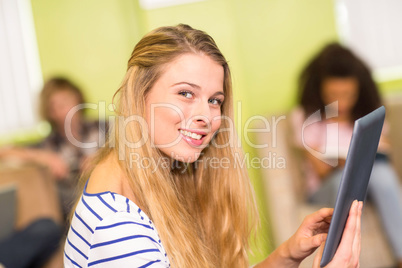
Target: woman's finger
321 227
357 240
318 256
348 237
323 214
313 242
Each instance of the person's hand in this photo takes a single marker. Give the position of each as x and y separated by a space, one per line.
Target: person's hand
348 252
310 235
341 162
56 164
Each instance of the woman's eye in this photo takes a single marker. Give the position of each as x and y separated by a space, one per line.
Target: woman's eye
186 94
215 101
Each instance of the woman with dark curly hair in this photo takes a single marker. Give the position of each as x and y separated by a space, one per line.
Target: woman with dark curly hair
336 86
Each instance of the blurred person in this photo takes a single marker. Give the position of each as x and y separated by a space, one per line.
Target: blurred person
57 152
157 204
339 85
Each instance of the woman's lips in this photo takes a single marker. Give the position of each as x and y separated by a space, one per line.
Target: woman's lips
193 137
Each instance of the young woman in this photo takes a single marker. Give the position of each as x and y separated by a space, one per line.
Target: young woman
338 82
154 198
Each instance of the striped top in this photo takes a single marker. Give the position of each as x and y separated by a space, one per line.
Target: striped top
109 230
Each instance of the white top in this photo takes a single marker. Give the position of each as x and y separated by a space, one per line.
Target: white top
109 230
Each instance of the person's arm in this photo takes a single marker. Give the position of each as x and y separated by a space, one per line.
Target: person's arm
311 234
321 168
309 136
57 166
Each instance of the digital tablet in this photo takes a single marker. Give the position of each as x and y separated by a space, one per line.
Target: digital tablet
355 176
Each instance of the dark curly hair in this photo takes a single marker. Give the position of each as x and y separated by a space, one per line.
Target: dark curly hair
336 61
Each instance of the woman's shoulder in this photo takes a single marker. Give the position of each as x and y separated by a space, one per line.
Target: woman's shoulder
106 177
104 194
108 226
108 209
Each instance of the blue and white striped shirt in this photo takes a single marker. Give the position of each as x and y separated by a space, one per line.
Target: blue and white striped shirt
109 230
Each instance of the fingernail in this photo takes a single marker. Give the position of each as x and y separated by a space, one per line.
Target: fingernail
360 205
356 204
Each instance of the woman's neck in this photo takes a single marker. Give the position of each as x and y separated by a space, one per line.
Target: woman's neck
108 176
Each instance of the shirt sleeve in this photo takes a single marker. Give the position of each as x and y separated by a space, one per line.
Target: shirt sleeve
122 240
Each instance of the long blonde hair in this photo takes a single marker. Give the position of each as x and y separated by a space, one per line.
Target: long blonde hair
204 215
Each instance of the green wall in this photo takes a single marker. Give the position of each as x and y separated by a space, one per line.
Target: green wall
265 41
88 41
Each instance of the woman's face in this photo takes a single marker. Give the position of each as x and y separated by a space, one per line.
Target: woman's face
345 90
183 108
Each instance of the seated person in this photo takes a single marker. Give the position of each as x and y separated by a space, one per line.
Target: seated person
336 88
60 151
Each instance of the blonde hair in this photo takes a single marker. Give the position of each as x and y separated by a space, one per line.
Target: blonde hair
204 215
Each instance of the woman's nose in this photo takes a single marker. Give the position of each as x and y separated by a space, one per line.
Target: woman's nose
202 114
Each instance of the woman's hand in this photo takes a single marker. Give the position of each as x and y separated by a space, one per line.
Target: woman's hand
310 235
348 252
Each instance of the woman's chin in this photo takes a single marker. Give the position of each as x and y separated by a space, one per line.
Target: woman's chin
187 158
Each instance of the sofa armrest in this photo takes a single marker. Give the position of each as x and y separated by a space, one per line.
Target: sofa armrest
36 193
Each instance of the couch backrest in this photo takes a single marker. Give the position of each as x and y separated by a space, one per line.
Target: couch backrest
393 104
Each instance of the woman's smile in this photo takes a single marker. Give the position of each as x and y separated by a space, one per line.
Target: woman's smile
193 137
